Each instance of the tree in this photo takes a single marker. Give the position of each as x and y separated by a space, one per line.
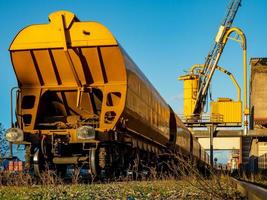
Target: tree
4 147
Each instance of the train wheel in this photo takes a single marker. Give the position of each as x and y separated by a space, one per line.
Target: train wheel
38 163
92 162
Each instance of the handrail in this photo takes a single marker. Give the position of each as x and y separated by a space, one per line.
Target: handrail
11 105
214 118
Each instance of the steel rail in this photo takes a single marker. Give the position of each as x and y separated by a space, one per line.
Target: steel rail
250 190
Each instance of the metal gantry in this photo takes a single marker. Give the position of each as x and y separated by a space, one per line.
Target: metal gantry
197 83
214 56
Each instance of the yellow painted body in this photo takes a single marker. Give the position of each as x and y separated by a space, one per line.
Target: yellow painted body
190 93
229 109
72 73
64 30
68 71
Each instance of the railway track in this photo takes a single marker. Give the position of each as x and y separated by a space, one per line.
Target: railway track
250 190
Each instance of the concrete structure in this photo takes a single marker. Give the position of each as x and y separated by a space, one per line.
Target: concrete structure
258 147
254 144
230 140
257 143
219 143
258 93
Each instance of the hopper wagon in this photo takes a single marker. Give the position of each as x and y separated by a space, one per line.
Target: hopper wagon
81 100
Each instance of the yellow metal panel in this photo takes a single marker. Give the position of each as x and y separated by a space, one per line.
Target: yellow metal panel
76 60
25 68
30 112
116 109
113 63
98 35
230 110
190 93
63 67
93 64
63 30
45 66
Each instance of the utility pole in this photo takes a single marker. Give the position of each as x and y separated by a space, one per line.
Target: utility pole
212 129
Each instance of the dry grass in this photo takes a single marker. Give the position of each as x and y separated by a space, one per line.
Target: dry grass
168 189
180 180
217 185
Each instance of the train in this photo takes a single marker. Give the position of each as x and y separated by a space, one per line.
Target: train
81 100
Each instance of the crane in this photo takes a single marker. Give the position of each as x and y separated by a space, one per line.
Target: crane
196 83
213 57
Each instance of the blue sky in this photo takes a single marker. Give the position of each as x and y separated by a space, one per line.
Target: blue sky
163 37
